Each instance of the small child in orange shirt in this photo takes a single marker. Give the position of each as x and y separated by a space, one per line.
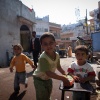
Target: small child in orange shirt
18 61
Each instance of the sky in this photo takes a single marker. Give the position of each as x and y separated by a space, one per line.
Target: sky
62 11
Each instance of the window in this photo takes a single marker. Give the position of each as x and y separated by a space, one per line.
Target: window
45 30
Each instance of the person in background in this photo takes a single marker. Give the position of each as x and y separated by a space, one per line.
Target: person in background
69 51
98 80
49 61
82 72
18 61
35 47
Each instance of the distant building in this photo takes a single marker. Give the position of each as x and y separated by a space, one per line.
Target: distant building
42 25
65 39
56 30
95 22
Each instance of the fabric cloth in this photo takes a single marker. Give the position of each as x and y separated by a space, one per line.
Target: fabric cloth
83 70
19 78
37 45
42 82
46 64
35 48
87 86
43 88
33 42
35 56
20 61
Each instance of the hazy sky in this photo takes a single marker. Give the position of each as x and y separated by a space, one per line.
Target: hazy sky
62 11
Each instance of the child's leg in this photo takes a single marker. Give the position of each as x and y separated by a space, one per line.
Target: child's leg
98 80
99 76
26 82
23 79
16 83
43 88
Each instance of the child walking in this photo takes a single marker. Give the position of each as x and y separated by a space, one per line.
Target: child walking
18 61
49 61
82 72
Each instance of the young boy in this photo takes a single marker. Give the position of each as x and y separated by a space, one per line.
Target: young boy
19 61
98 81
49 61
82 72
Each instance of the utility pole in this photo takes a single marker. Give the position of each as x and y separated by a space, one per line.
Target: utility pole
99 10
86 23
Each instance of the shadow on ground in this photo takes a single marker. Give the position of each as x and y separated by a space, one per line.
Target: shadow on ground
17 97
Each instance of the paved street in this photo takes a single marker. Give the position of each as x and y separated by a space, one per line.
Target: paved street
6 84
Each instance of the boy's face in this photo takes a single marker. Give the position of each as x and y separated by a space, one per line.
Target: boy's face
33 34
48 44
17 50
81 56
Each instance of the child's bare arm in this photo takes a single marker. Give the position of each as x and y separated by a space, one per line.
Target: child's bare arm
33 66
61 70
11 69
58 77
12 64
75 77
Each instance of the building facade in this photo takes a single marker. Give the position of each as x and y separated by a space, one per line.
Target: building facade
17 21
95 22
42 25
56 30
65 39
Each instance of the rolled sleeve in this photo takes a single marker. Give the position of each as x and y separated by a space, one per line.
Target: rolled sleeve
91 74
70 70
44 65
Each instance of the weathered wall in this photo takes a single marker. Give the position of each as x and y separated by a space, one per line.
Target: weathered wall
10 25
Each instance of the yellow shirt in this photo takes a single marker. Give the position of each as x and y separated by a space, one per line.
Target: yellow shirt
20 61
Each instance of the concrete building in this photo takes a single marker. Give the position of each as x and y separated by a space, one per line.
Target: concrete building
95 22
65 39
71 32
56 30
17 21
42 25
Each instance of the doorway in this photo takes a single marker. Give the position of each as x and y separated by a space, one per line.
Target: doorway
25 38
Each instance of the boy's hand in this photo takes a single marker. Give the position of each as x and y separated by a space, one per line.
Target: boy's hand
65 81
33 66
76 78
11 69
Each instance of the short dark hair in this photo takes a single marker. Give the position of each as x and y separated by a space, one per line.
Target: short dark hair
81 48
45 35
34 32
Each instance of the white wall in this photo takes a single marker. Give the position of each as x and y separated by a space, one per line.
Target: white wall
41 25
10 25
